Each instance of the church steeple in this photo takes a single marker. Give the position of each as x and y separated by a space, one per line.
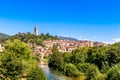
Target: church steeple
36 31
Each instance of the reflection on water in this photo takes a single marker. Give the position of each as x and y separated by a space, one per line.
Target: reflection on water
56 75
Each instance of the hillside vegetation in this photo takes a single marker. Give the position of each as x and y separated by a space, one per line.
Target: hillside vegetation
30 38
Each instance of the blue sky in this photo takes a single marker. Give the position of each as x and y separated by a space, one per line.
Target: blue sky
96 20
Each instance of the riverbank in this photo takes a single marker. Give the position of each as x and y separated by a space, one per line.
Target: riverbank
57 75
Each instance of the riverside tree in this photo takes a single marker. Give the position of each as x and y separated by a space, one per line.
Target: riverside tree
17 62
56 59
95 63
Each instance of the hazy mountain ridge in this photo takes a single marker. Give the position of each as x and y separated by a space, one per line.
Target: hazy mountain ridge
2 35
67 38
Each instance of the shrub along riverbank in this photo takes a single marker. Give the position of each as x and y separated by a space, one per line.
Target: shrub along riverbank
96 63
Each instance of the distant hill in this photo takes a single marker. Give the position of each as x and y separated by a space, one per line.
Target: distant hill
3 35
67 38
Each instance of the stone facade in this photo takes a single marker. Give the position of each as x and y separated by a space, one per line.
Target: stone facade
36 31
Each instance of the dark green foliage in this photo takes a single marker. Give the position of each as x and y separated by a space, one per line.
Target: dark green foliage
36 74
13 58
113 54
79 55
67 57
12 69
30 38
105 68
114 73
56 60
97 56
91 71
37 57
71 70
16 61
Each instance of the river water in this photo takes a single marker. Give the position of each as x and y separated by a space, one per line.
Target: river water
56 75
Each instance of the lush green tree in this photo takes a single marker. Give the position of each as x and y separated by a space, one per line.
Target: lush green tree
56 59
18 49
71 70
36 74
67 57
113 54
91 71
11 68
13 59
97 56
16 60
79 55
114 73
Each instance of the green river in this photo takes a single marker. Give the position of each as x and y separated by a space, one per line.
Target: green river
55 75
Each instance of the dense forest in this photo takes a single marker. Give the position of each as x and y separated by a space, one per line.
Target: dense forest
95 63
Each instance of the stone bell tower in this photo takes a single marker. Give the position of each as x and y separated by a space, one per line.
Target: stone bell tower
36 31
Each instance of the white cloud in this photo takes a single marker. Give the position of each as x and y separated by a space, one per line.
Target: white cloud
109 42
116 39
86 39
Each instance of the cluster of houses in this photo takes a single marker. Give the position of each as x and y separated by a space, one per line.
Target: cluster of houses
64 46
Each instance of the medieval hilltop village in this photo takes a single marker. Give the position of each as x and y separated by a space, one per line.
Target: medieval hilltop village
64 45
